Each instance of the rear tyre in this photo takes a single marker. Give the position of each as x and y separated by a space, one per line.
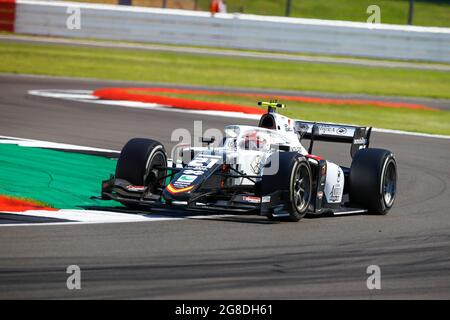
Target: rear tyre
294 176
138 164
373 180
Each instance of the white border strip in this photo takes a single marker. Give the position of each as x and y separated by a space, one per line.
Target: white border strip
92 216
50 145
409 133
81 217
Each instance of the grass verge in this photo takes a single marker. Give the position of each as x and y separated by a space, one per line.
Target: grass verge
162 67
55 178
174 68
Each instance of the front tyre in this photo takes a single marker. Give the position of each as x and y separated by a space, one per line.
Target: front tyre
294 179
373 180
300 190
139 164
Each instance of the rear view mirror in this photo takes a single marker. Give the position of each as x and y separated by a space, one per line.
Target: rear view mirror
208 140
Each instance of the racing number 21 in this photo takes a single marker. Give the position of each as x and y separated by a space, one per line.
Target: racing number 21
204 163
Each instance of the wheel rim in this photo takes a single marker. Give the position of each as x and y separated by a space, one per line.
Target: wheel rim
154 175
302 188
389 184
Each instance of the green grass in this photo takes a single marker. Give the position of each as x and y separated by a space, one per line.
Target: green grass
429 121
248 73
161 67
426 13
150 45
55 178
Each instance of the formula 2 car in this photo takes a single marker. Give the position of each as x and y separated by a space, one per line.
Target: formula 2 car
260 169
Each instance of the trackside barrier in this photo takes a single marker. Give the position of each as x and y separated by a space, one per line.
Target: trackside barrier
236 31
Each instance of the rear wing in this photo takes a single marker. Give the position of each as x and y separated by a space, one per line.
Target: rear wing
359 137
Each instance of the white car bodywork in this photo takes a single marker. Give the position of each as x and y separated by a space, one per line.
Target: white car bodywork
246 149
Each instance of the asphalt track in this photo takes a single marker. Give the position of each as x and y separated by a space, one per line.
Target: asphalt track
236 257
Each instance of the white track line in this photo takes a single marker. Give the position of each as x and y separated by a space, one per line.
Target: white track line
408 133
81 217
51 145
92 216
86 96
54 224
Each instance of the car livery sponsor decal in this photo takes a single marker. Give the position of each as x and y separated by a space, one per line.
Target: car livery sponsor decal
256 164
287 127
174 190
334 183
335 193
251 199
135 188
199 166
190 172
324 129
186 178
359 141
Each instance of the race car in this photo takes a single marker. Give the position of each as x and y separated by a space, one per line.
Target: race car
262 169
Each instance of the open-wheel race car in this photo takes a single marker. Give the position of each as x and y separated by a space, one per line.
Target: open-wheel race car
261 169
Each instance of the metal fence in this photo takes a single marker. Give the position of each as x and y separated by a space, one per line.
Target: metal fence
237 31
